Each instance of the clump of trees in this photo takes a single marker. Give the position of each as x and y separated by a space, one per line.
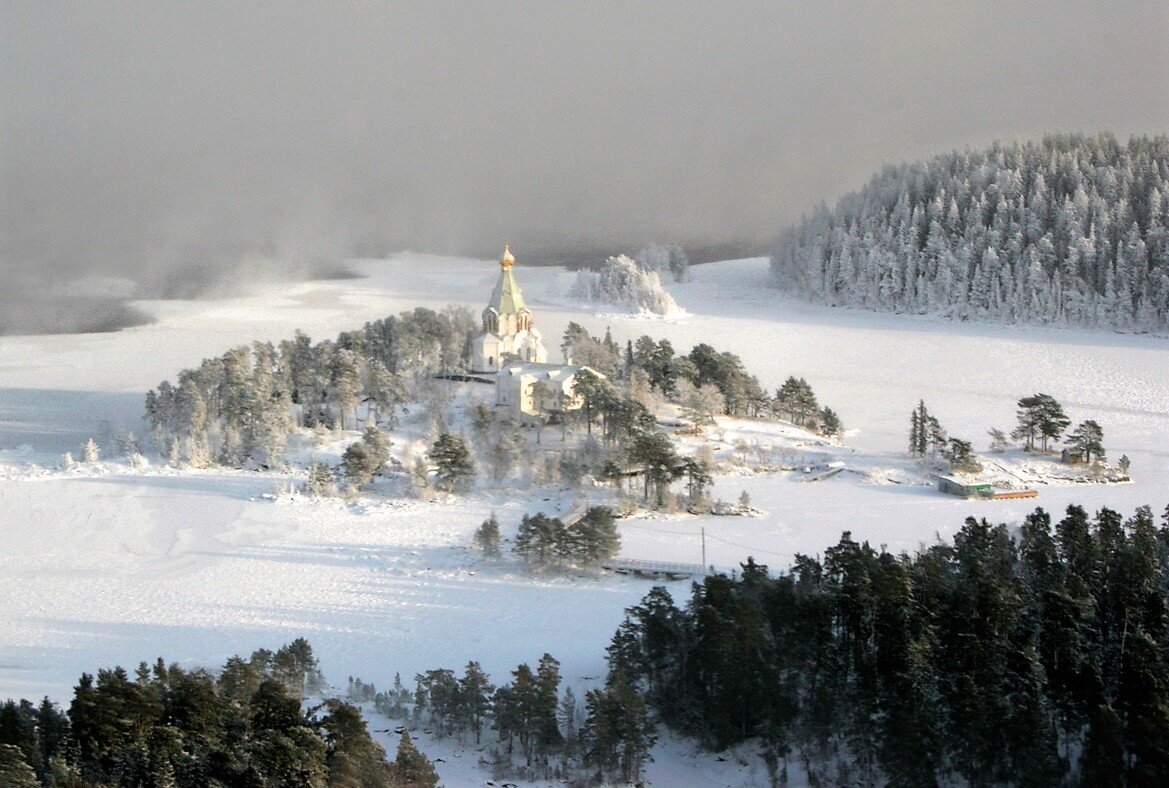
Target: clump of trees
926 435
1040 419
1072 229
548 541
623 282
623 442
532 720
239 408
166 726
1035 659
708 383
665 257
1041 422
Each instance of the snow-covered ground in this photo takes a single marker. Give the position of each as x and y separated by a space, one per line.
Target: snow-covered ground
106 565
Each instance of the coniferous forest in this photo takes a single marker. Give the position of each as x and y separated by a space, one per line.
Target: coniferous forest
164 726
1002 659
1035 656
1070 230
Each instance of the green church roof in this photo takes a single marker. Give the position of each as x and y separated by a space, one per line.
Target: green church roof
506 298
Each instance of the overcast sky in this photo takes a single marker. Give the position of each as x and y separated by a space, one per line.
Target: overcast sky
136 137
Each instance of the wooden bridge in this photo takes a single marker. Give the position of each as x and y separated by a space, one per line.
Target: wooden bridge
633 566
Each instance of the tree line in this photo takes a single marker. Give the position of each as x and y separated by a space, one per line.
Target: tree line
166 727
547 541
1069 230
607 739
1036 658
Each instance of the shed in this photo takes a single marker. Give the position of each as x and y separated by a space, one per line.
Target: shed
964 488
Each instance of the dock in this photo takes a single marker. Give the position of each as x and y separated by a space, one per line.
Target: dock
653 569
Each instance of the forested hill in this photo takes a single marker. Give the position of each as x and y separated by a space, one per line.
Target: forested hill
1068 231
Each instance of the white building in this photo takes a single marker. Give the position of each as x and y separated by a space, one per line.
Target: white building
508 333
510 346
528 388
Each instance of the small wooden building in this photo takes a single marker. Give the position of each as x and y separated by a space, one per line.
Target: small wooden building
964 488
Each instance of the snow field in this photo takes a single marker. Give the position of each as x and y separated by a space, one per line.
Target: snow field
103 566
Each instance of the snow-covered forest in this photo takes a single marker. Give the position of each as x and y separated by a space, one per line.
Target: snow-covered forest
237 408
1070 230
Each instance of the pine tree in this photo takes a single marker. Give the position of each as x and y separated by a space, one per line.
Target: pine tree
90 451
411 767
1040 417
345 384
617 734
1087 440
698 479
358 463
594 537
539 538
547 697
961 456
998 440
452 458
320 482
830 424
475 692
487 537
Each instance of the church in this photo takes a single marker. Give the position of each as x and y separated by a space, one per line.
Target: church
511 349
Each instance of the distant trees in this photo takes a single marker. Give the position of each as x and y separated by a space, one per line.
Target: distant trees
660 464
533 720
664 257
165 726
320 483
705 382
960 453
795 397
830 424
1071 229
364 458
617 732
90 452
926 435
591 539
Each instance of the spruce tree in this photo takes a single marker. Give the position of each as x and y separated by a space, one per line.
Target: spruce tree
411 767
487 537
452 458
15 771
475 692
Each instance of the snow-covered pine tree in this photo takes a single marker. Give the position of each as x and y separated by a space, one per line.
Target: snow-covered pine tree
90 452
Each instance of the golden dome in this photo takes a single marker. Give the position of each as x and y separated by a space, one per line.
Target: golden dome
508 259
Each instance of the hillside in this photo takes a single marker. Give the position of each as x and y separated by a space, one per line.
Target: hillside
1071 230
